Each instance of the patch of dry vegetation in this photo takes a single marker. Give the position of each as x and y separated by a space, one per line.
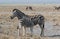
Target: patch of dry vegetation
9 27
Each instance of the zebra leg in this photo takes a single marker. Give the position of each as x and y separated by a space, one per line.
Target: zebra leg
19 24
19 28
18 32
31 29
24 30
42 30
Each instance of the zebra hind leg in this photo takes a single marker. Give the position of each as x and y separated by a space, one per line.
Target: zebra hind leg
42 30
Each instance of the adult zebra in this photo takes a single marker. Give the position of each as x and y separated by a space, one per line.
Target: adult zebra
28 21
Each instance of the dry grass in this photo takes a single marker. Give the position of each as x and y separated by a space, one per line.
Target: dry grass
9 26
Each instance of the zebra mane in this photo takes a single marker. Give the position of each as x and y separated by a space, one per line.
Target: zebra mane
18 12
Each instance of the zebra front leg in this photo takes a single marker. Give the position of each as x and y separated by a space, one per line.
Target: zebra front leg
19 28
24 30
31 29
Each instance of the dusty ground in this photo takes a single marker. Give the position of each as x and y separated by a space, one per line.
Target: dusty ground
8 27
